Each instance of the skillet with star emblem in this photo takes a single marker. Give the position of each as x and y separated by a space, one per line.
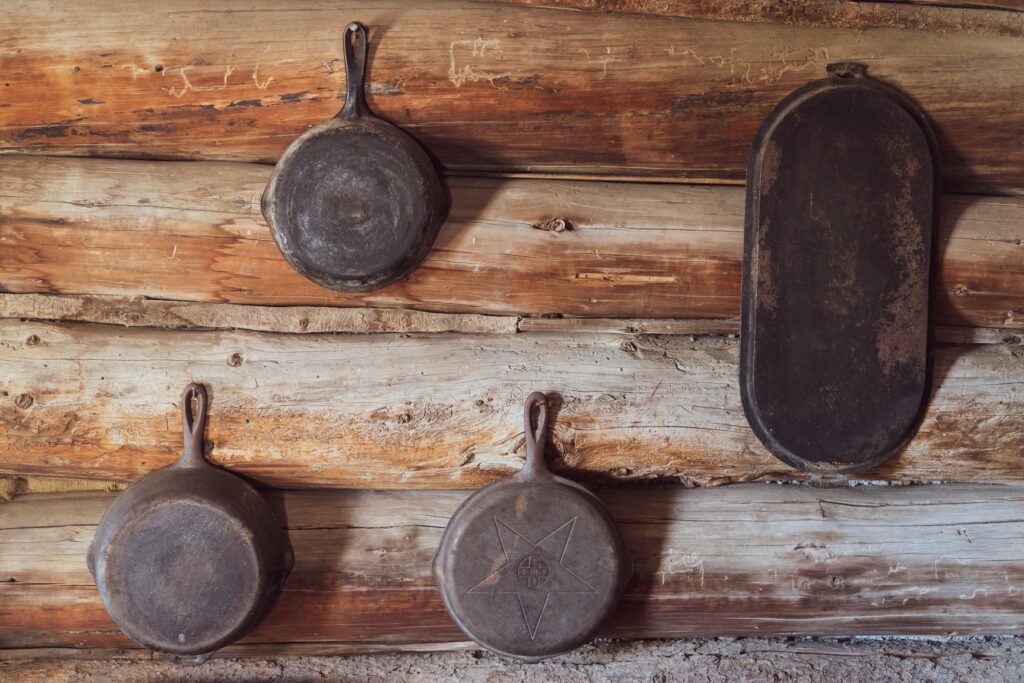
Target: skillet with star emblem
530 566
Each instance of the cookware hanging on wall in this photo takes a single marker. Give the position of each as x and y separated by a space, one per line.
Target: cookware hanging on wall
841 196
530 566
354 204
189 558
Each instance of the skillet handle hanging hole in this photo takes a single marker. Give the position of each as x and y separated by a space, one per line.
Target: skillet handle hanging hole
534 433
355 72
194 423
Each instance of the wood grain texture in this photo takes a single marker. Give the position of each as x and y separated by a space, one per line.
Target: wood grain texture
193 231
988 5
483 86
980 17
655 326
187 315
142 312
420 411
741 560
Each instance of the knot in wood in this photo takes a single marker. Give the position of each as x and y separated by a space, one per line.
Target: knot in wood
556 224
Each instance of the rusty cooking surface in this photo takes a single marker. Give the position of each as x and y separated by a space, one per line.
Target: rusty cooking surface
190 557
840 210
354 204
531 566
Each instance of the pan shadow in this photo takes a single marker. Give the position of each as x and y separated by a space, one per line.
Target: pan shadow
313 571
941 355
473 156
944 297
946 215
343 587
647 546
645 543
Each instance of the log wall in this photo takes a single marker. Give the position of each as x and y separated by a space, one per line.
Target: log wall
594 152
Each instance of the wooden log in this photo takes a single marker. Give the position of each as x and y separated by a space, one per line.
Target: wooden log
483 86
661 326
186 315
740 560
11 487
193 231
980 17
1012 5
190 315
382 411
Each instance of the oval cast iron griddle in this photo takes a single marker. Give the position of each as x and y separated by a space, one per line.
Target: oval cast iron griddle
354 203
189 558
530 566
841 195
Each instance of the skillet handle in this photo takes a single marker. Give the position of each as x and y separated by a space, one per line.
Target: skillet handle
194 425
535 435
355 70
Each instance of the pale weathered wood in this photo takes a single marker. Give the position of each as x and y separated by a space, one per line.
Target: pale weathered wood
980 17
142 312
18 486
741 560
153 313
483 86
725 326
378 411
193 231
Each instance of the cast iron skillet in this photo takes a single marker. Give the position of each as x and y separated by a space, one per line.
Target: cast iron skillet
354 203
530 566
189 558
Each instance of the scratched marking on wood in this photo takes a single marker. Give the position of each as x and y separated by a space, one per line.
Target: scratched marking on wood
484 87
956 17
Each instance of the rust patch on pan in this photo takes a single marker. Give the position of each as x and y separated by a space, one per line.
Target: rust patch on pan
899 332
770 160
767 296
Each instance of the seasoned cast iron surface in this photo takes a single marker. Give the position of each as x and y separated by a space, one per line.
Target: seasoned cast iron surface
354 204
531 566
190 564
840 210
346 207
189 558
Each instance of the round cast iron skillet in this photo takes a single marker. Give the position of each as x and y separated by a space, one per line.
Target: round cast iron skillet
354 203
530 566
189 558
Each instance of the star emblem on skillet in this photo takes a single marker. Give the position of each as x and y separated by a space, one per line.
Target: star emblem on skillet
533 571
